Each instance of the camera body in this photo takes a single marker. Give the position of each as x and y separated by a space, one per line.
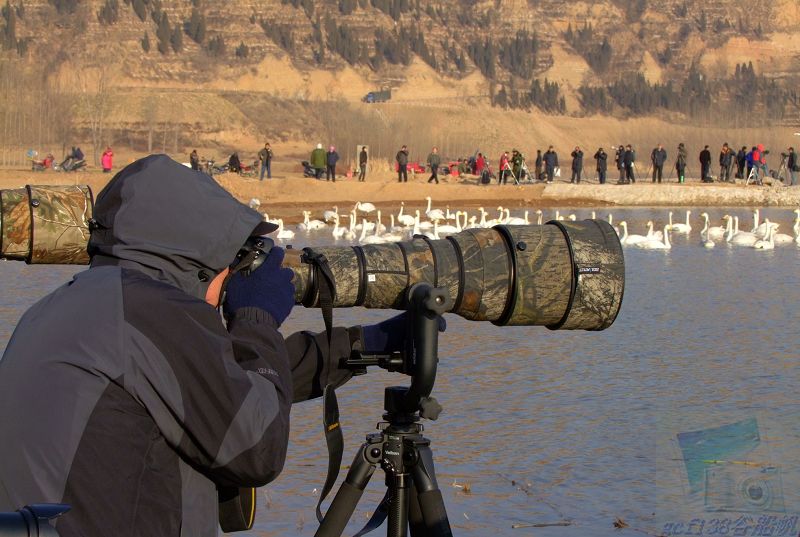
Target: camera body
743 488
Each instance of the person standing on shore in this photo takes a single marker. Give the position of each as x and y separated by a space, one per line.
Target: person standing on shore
434 161
505 167
550 160
331 158
402 165
725 162
318 161
577 165
705 165
658 157
265 157
629 159
517 161
792 165
741 161
680 163
363 158
538 165
107 160
602 165
619 160
194 160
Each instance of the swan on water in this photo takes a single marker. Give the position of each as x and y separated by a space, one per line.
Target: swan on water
766 243
759 229
330 215
434 214
630 240
516 221
680 228
364 207
739 238
657 235
282 233
705 240
338 232
311 225
375 238
539 217
653 244
404 219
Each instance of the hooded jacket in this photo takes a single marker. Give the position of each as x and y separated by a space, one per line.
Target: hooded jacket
126 395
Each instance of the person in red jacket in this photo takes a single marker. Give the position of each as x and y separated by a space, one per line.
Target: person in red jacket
480 164
505 168
107 160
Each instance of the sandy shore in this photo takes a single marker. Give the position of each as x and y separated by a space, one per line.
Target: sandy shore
288 193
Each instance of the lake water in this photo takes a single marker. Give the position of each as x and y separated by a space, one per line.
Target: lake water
683 418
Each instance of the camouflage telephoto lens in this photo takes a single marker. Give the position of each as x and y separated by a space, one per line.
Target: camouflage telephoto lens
563 275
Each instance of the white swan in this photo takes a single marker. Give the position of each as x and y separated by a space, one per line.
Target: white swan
759 229
422 224
255 203
572 217
338 232
653 244
657 235
539 217
716 232
311 225
680 228
364 207
611 223
766 243
516 221
375 238
283 234
404 219
330 215
739 238
705 241
430 234
450 228
434 214
630 240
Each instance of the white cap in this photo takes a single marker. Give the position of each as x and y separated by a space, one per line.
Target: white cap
319 146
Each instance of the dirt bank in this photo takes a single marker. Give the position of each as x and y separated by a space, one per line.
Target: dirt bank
290 194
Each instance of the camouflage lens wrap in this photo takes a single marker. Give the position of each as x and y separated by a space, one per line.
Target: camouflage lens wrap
561 275
567 275
46 224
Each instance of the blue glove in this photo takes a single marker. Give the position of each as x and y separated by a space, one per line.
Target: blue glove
269 288
389 335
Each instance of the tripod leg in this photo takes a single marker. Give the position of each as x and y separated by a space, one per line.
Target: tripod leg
399 489
345 501
415 522
429 496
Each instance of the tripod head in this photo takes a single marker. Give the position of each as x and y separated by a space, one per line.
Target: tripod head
425 305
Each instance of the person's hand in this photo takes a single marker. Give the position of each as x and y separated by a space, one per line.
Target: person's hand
269 288
389 335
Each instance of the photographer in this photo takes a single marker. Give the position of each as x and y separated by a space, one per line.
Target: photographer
124 394
705 165
726 158
577 165
792 165
602 165
658 157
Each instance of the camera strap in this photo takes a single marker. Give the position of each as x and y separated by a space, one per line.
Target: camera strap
334 440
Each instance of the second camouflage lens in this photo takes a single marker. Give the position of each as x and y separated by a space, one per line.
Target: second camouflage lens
563 275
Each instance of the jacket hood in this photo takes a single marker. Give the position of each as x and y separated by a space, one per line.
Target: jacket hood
173 223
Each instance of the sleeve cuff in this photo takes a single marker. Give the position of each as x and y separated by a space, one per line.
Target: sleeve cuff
255 315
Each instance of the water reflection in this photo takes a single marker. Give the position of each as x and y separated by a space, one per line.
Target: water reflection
585 424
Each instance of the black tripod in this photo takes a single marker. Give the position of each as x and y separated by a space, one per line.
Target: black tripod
413 498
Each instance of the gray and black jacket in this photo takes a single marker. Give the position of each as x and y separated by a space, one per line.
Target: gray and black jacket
123 394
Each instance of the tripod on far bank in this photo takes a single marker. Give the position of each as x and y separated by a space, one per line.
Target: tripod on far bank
413 499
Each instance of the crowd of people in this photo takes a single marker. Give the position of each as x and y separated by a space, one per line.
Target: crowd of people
749 165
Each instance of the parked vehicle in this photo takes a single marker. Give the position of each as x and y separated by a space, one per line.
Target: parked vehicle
377 96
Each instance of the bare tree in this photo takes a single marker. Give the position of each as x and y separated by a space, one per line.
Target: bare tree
95 103
150 116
